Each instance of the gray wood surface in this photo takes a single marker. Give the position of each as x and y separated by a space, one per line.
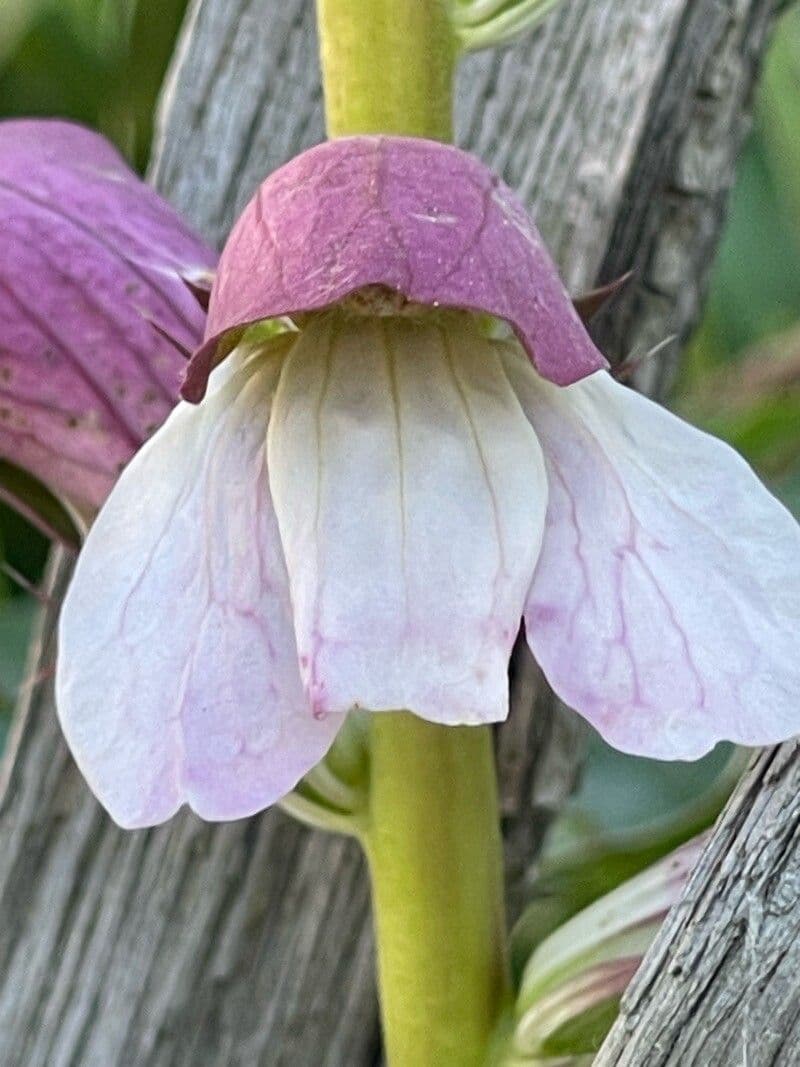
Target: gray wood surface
721 985
249 943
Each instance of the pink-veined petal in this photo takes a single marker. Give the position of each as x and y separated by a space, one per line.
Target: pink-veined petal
177 676
90 259
410 495
665 606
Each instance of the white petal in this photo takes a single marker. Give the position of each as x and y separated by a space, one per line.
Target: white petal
409 490
177 676
666 603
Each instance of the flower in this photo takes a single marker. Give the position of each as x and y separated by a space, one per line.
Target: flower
90 260
409 444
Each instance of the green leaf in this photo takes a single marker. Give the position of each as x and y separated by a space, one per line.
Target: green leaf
147 30
53 70
779 110
16 621
37 504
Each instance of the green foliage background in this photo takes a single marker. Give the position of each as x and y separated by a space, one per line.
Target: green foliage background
101 62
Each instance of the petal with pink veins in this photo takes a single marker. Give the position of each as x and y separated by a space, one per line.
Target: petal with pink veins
665 606
410 495
177 676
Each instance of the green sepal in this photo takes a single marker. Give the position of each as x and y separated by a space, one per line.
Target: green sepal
335 794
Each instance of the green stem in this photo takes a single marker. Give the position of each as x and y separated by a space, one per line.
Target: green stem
435 855
387 67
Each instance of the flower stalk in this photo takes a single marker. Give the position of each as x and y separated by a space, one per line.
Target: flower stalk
435 856
387 67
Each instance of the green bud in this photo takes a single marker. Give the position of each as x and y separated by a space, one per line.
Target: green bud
571 986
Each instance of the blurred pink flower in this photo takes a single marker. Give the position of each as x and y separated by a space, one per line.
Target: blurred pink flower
90 258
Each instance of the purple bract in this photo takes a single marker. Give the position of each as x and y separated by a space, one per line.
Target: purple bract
421 218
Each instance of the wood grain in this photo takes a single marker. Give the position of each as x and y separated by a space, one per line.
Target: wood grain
720 986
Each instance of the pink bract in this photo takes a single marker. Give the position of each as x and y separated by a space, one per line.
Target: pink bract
90 259
418 217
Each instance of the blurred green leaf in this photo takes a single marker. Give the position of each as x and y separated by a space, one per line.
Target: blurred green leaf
757 406
38 505
151 37
16 620
789 489
755 288
23 547
54 71
15 18
779 110
96 61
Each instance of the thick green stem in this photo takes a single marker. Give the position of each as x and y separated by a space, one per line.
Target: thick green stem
387 67
435 855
